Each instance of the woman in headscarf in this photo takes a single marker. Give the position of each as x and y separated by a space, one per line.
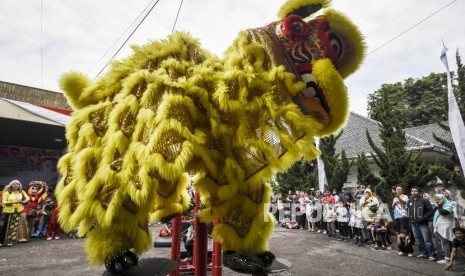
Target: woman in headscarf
13 199
443 223
369 203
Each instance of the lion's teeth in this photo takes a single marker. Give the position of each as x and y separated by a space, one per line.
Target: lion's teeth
309 92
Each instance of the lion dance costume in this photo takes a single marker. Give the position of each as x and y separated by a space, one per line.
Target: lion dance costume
172 110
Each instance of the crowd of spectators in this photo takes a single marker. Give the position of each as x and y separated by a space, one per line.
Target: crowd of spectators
26 213
420 225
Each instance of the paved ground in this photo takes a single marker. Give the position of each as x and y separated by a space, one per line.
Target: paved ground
310 254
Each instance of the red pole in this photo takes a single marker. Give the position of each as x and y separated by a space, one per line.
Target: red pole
176 244
200 242
217 269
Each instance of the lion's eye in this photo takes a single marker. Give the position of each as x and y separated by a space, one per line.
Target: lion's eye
297 27
294 27
335 44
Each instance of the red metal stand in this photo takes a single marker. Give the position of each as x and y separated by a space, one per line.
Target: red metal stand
200 242
200 259
176 244
217 269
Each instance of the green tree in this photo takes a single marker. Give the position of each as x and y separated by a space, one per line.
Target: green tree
364 174
460 89
449 172
397 166
416 101
301 177
337 166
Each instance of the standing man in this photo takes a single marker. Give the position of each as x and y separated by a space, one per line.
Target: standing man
419 212
399 205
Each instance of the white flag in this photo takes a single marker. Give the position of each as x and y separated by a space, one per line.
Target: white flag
322 182
457 128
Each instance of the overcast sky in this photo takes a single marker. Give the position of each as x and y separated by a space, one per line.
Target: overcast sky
75 35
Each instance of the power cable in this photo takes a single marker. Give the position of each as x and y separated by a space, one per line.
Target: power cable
41 46
120 37
124 43
177 15
429 16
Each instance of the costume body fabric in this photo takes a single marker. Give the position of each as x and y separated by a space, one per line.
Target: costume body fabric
172 110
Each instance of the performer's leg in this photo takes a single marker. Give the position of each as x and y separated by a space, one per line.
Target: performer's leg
245 223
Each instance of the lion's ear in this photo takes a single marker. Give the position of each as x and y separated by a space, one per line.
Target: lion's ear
73 85
302 8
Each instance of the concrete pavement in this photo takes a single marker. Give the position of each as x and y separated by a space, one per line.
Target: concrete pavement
310 254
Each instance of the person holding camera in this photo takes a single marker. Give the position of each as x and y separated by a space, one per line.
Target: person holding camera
399 205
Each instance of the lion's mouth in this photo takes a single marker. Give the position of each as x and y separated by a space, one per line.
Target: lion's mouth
312 101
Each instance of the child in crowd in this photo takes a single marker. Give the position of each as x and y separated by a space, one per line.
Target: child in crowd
343 216
47 208
290 224
330 217
53 227
356 223
379 231
311 212
404 243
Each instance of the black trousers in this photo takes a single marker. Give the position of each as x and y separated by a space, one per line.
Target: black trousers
344 229
402 224
405 248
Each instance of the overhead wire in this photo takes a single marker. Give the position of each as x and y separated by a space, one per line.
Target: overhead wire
418 23
177 15
127 39
41 45
120 37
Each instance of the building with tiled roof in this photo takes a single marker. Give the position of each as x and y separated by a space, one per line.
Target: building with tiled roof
32 95
32 127
419 139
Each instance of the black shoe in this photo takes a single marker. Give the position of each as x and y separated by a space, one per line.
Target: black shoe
247 262
121 263
130 259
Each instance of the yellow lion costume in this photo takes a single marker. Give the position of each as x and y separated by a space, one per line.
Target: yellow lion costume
172 110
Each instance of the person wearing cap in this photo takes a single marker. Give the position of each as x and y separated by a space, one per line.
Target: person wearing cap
457 242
